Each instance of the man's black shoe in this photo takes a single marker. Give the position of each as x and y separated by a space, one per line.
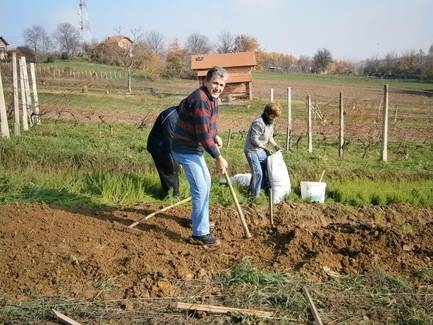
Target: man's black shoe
205 240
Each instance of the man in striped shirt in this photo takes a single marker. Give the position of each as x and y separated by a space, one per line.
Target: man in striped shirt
195 133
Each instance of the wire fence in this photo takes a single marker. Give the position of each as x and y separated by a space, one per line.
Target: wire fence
410 110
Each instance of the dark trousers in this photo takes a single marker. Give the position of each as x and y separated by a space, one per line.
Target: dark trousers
168 171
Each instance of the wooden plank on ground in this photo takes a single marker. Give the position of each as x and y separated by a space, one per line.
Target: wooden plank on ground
223 310
65 319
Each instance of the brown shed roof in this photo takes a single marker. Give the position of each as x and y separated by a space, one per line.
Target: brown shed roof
225 60
233 77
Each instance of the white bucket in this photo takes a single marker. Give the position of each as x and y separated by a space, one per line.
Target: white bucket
315 191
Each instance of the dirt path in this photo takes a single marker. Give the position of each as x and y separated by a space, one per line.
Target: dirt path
82 253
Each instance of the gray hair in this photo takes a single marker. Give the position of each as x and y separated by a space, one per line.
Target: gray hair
217 71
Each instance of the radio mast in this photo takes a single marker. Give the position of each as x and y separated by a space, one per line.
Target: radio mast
84 22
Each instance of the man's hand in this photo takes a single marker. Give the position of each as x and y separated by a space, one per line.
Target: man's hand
221 164
267 151
276 147
219 142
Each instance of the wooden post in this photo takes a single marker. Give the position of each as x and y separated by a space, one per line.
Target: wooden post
229 139
385 125
312 306
23 97
129 81
4 126
16 100
272 95
250 90
341 136
309 126
35 94
395 114
27 92
289 117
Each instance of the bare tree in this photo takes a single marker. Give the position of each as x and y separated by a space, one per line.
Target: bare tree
304 64
118 30
155 42
68 38
197 44
245 43
37 38
226 42
321 60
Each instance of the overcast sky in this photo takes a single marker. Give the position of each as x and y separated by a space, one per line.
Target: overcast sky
350 29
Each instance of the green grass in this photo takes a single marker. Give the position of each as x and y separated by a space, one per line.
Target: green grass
417 193
244 272
99 163
81 65
382 297
343 80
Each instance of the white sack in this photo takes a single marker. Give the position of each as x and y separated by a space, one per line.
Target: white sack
241 179
278 177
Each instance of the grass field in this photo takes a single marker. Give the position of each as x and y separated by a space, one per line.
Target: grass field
100 163
104 144
344 80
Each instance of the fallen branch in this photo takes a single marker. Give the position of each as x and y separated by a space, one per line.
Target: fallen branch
223 310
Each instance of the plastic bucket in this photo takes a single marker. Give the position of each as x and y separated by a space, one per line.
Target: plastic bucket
314 191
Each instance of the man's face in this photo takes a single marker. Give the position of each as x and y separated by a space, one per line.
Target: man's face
215 86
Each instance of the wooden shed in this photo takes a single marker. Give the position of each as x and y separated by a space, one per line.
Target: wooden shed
3 48
238 65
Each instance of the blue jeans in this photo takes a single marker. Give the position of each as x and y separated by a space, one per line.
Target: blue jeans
199 180
257 162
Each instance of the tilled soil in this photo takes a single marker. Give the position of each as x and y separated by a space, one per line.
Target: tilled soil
87 252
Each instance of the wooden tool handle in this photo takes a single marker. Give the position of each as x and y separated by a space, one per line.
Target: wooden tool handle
238 207
132 225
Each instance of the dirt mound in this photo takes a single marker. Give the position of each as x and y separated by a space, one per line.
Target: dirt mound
86 252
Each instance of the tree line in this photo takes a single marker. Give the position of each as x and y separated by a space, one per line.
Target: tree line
157 58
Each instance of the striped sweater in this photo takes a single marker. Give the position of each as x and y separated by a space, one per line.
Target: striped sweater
196 127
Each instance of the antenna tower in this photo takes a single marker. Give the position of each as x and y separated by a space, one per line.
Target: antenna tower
84 21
